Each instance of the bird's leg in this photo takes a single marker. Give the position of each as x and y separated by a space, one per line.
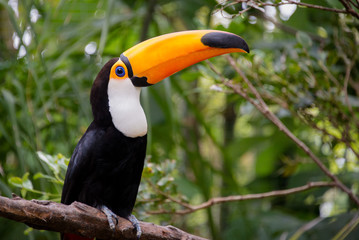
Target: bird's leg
136 225
110 215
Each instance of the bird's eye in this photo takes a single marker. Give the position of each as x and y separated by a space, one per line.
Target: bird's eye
120 71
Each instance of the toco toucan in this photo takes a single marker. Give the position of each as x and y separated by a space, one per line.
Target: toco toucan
106 166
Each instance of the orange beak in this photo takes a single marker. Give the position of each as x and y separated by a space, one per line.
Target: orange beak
157 58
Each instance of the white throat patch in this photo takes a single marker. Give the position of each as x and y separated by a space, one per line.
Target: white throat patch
125 108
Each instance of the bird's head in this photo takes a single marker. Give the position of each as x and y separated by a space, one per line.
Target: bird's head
153 60
118 83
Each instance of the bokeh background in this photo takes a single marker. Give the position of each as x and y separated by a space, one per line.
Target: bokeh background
204 140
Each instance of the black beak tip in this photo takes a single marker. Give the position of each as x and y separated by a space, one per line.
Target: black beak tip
224 40
140 82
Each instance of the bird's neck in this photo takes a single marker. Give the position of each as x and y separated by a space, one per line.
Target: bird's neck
125 108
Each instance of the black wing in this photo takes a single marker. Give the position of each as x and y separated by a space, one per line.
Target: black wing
81 165
105 169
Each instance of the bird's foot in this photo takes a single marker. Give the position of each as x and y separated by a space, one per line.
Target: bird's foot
110 215
136 225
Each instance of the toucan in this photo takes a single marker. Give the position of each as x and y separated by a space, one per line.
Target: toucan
106 166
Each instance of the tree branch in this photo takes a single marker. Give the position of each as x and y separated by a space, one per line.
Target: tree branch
81 219
235 198
259 103
349 9
258 4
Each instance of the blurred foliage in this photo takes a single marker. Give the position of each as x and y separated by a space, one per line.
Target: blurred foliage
305 64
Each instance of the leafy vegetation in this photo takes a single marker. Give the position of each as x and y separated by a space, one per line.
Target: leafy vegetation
205 140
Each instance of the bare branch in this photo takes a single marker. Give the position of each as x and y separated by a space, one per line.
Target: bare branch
312 6
218 200
257 4
183 204
349 8
350 63
81 219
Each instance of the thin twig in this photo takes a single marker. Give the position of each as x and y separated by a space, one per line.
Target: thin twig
350 63
328 73
348 8
313 6
235 198
354 3
346 82
186 205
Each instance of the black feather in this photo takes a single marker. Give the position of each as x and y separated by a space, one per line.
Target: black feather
105 169
99 96
106 166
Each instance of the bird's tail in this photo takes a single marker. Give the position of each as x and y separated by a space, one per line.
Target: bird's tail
70 236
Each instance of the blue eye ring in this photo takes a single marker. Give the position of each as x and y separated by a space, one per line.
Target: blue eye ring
120 71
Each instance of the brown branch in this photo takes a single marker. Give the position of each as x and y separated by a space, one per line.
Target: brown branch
312 6
81 219
257 4
355 4
350 63
218 200
259 103
169 197
349 8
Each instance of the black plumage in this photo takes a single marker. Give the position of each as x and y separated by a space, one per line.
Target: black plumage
106 166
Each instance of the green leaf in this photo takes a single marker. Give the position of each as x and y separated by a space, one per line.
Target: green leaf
40 175
163 181
23 192
26 182
16 181
50 161
28 231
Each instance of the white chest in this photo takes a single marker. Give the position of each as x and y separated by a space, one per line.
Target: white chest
125 108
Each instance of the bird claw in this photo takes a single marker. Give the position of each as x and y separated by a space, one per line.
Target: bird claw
110 215
136 225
